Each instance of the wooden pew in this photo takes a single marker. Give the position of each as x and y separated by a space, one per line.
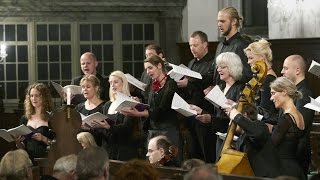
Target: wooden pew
170 173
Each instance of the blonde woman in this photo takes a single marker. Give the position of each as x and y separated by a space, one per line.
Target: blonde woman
260 50
86 140
122 133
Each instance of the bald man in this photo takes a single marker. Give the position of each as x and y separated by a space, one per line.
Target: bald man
294 68
89 64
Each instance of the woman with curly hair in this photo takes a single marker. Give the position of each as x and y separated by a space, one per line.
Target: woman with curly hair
37 104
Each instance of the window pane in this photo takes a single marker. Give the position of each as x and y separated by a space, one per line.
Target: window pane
54 71
42 71
10 32
53 32
108 68
66 71
66 53
108 52
107 32
22 53
53 53
149 32
96 32
22 34
84 48
126 32
11 51
84 32
138 69
97 50
22 89
65 32
11 72
127 52
42 53
137 32
23 72
1 72
99 68
1 32
127 67
2 92
42 32
12 90
138 52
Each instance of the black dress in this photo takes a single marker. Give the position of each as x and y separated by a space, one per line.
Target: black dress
285 136
264 95
256 142
123 140
37 149
96 132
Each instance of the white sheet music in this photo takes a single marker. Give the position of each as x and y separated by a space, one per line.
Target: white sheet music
181 106
61 90
90 119
216 97
314 104
177 72
124 101
314 68
15 132
132 80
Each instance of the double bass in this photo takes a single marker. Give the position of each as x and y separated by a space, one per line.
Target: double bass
232 161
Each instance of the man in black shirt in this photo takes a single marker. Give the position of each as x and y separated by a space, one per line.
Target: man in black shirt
203 138
229 25
89 63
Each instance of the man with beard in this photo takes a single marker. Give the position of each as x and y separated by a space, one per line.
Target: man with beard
294 68
203 139
229 25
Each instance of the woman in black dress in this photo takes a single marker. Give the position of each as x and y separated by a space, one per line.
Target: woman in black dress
90 90
290 126
260 50
37 104
122 133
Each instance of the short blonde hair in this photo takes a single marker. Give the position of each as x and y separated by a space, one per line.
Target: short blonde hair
15 165
87 139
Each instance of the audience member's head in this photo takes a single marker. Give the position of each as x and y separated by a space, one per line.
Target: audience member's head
160 148
65 167
92 163
286 178
137 169
294 68
16 165
89 63
191 163
86 140
204 172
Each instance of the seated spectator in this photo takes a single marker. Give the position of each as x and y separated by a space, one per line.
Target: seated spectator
191 163
204 172
161 152
137 169
86 140
92 163
16 165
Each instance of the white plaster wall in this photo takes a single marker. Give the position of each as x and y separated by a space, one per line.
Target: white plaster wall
200 15
293 19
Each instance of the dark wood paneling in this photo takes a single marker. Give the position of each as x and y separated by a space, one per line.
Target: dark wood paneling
309 48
